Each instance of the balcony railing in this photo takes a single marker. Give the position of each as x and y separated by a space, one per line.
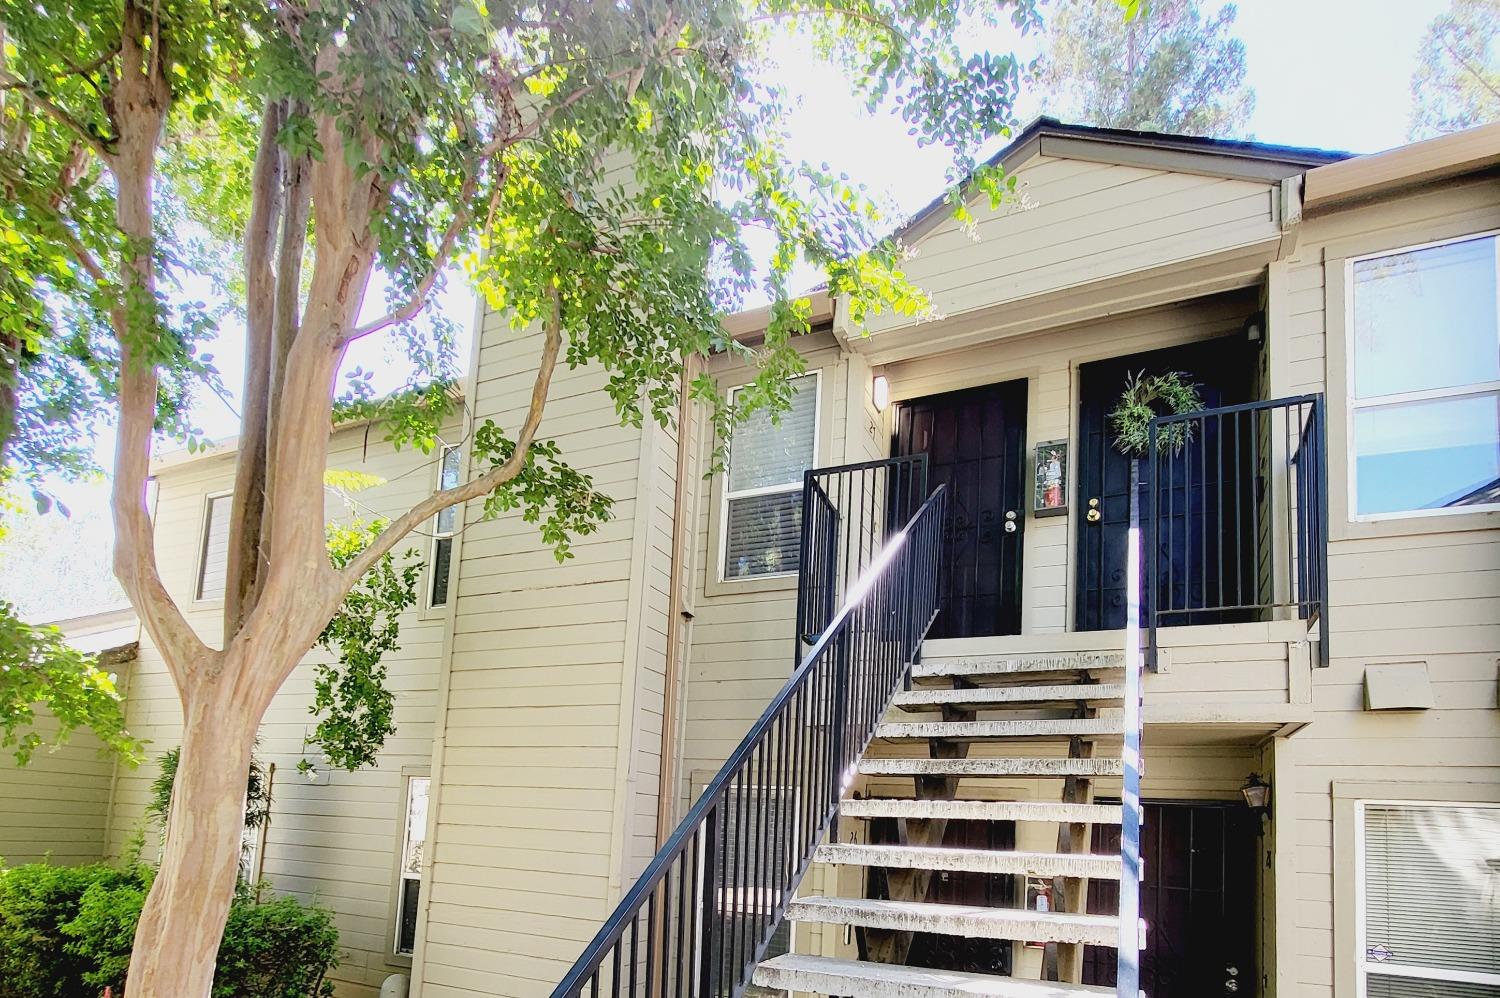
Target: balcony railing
848 513
703 912
1237 517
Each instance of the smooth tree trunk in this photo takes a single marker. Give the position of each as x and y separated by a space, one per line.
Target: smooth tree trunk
182 924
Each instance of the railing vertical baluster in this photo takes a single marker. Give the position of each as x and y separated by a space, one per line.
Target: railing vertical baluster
709 905
1320 416
1153 579
713 896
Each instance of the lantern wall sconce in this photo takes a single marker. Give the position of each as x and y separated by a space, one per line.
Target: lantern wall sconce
1257 794
880 392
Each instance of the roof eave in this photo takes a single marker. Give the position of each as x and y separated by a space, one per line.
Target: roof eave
1442 158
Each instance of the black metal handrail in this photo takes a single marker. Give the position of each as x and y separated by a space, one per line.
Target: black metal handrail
848 513
702 913
1237 517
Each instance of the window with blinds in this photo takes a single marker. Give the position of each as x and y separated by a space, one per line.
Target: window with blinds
444 526
213 561
1429 900
762 515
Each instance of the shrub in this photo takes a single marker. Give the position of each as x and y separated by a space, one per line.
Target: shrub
65 932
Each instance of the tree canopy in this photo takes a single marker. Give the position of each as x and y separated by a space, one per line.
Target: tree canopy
1456 84
1165 68
593 169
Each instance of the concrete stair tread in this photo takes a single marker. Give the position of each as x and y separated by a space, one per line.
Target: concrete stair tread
1004 696
825 975
994 861
983 810
981 666
1039 767
979 730
968 921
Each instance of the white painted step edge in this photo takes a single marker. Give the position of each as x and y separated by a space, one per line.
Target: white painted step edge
1001 695
825 975
1002 729
1005 665
996 861
984 810
968 921
1046 767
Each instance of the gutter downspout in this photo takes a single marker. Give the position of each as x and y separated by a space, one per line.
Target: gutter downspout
677 615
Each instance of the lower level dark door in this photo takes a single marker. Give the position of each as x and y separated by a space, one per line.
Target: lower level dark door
1224 370
1198 898
975 442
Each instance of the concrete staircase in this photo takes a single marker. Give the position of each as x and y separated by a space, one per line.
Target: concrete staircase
969 721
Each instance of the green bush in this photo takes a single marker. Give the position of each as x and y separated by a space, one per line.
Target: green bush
65 932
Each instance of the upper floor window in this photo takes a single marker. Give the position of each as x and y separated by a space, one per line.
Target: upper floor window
444 525
762 515
213 560
1425 391
1428 923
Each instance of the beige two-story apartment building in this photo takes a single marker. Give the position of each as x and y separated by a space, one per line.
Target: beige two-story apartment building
944 549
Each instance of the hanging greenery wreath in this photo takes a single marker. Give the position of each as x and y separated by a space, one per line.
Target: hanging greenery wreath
1147 397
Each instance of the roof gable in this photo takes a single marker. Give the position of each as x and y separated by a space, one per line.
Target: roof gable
1222 158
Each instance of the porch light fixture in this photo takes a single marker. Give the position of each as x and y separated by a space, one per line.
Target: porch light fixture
1257 793
880 393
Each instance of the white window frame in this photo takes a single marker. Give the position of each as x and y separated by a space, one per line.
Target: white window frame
438 536
402 876
1353 404
1362 965
796 486
204 527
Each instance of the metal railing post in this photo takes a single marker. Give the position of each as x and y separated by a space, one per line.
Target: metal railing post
1128 973
1321 536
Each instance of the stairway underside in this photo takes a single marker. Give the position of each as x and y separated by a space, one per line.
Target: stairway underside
966 722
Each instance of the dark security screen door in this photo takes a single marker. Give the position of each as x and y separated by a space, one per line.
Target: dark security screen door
1224 370
1198 900
975 442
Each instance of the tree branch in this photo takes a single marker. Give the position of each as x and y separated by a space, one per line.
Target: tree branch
243 568
58 114
144 101
496 476
423 291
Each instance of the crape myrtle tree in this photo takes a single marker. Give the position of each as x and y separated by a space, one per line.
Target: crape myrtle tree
593 167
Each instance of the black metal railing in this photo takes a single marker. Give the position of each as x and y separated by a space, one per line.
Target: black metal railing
848 513
703 912
1237 517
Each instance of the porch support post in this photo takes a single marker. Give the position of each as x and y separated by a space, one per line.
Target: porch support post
1128 975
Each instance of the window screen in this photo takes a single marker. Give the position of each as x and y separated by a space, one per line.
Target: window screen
763 487
409 886
1431 900
445 524
213 566
1425 392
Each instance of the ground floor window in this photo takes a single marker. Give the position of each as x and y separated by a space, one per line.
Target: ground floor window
409 886
1428 900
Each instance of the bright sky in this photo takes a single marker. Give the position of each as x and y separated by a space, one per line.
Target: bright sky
1328 73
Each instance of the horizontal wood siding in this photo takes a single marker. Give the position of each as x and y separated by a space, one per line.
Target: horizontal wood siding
1423 590
1075 222
742 646
552 733
334 842
57 806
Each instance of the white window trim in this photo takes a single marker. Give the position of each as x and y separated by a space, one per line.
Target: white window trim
443 451
403 840
1363 967
1352 404
203 530
726 494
